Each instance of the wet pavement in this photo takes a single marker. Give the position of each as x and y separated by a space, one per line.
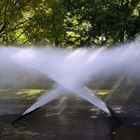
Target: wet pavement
64 119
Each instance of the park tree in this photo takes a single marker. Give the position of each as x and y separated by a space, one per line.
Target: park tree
12 21
69 23
31 22
46 26
110 21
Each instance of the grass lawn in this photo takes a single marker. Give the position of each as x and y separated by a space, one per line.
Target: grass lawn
33 92
103 92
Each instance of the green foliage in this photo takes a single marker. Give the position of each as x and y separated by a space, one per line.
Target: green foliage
75 30
110 21
46 27
12 21
31 22
69 23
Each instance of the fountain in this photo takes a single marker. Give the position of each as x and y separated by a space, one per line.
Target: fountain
72 70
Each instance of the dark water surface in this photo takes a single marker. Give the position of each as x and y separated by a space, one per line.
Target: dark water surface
66 119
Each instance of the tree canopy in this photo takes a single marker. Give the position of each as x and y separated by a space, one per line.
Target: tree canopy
69 23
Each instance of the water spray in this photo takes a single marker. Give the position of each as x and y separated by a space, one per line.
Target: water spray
71 70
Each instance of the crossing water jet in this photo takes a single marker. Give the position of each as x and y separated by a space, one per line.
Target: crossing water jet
71 70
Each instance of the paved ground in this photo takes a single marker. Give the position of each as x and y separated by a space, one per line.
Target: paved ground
63 119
